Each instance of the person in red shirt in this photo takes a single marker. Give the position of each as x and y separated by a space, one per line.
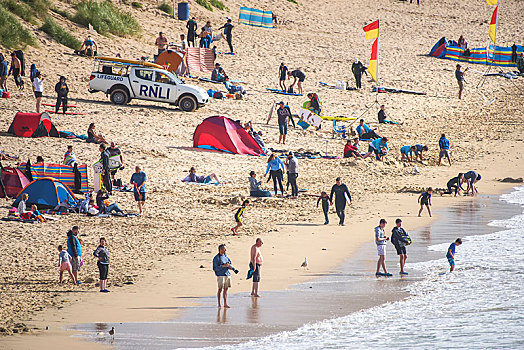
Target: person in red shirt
351 150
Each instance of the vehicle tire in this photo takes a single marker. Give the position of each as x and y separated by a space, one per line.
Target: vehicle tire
187 104
119 96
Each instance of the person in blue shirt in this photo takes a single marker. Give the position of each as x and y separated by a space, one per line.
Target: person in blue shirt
379 147
221 267
443 144
365 132
275 168
407 152
3 73
233 88
425 200
138 180
450 254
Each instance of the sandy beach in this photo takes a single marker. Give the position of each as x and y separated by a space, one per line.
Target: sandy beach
156 259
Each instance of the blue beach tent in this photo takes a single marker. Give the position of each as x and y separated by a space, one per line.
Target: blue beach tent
46 193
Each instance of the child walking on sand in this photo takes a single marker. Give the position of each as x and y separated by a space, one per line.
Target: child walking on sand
238 216
64 264
451 254
325 205
103 264
425 200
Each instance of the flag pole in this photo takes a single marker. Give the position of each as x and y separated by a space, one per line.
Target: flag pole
378 39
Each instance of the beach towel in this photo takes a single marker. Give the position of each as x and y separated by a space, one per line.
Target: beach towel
200 59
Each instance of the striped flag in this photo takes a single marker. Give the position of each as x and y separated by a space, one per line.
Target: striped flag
371 30
492 2
373 62
493 25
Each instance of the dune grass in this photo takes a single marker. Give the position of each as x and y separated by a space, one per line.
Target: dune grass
106 18
59 34
136 5
12 34
39 7
205 4
293 1
62 13
166 8
218 4
21 9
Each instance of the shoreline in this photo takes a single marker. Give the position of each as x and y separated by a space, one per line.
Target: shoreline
340 243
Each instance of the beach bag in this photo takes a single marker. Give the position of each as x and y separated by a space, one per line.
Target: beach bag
6 94
218 95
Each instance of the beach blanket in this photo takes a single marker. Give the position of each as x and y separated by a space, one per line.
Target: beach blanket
334 86
61 172
256 18
200 59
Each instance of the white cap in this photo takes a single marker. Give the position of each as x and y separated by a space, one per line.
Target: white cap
356 60
228 17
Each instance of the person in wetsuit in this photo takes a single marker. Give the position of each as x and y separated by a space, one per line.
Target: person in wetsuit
282 71
191 31
227 32
454 184
358 68
238 216
106 172
340 190
62 90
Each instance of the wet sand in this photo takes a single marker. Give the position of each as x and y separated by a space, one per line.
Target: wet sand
348 288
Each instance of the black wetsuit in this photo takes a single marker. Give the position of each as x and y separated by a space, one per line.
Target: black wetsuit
358 69
514 53
229 37
191 32
106 177
340 200
325 207
453 186
62 90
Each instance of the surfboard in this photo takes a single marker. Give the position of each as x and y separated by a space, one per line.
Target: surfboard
394 90
337 118
219 82
347 198
270 112
52 105
67 113
133 62
278 91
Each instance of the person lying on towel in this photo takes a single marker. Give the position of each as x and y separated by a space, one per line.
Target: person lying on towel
193 177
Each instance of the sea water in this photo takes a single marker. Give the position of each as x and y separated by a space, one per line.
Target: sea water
478 306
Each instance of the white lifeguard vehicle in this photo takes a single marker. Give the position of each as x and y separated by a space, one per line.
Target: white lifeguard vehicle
124 80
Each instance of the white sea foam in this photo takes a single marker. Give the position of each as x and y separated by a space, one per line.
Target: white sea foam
479 306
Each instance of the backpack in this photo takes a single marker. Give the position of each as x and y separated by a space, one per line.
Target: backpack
218 95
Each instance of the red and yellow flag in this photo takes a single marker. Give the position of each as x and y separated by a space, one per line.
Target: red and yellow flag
373 66
371 30
493 25
492 2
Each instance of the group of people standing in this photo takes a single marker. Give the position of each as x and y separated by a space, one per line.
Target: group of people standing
206 35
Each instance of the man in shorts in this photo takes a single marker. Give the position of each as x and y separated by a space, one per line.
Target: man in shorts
282 71
138 180
74 248
399 237
283 115
380 240
443 144
16 69
255 264
298 75
221 266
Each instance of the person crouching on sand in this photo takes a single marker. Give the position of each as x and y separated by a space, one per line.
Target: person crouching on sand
238 216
